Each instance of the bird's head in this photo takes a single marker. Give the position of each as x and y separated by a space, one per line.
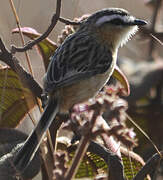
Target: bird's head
113 26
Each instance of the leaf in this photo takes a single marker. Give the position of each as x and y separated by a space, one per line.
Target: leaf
15 100
46 47
93 164
119 75
131 168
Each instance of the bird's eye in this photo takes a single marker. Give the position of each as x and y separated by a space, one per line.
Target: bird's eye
117 21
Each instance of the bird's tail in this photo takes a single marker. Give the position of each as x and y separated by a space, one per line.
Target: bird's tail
31 145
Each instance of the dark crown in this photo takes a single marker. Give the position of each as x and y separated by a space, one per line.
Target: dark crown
114 16
107 12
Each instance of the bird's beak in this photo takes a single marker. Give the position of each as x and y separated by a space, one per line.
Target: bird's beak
118 74
139 22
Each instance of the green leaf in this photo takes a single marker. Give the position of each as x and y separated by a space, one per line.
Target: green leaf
15 100
130 168
46 47
93 164
90 166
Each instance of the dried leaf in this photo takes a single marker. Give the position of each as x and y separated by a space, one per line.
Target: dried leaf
46 47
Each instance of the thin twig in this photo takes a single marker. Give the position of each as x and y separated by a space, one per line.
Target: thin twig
158 40
30 44
84 143
68 22
82 148
23 43
157 36
21 35
144 133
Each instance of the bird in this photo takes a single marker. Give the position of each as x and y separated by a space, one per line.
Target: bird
79 69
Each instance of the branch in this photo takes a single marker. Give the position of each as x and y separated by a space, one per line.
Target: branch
24 76
150 165
68 22
84 143
147 32
30 44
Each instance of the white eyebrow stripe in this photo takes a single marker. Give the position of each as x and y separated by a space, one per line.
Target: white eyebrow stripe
108 18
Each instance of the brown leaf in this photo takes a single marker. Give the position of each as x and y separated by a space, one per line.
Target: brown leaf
15 100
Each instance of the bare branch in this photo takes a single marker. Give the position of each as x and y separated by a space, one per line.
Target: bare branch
150 165
84 142
68 22
25 77
30 44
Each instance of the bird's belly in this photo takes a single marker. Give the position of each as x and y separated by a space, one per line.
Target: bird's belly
83 90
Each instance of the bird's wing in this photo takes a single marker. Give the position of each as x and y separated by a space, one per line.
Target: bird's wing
78 58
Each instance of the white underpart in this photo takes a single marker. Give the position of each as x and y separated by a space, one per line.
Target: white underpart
126 36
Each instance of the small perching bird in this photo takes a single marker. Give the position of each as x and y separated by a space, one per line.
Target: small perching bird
79 69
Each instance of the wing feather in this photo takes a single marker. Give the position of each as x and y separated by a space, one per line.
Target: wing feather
79 57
